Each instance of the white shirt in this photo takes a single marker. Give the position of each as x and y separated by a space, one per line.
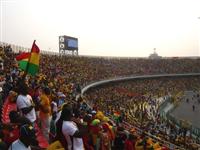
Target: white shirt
68 129
26 101
55 106
58 116
18 145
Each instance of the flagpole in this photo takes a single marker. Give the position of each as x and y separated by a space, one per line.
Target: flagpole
25 71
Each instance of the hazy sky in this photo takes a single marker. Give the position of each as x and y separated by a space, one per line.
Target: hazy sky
105 27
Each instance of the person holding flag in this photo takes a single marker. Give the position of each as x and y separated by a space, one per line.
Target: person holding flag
28 62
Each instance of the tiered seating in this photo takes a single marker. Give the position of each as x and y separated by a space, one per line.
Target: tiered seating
7 107
40 138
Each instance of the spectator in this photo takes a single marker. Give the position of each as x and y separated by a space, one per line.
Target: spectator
120 138
3 145
59 122
71 131
26 139
45 111
130 143
17 119
193 107
25 103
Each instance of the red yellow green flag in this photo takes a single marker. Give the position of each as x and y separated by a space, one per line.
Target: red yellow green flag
29 62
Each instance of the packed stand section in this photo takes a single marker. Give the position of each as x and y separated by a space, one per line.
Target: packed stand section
84 70
137 102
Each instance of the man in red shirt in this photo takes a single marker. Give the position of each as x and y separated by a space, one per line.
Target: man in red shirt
130 143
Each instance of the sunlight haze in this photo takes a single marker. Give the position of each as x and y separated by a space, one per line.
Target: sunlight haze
105 27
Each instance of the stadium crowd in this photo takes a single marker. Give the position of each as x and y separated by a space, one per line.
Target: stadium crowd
50 102
138 103
83 70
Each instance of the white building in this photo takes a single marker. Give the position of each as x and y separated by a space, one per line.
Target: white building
154 55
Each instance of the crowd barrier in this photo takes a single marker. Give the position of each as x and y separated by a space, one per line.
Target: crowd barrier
179 123
165 110
17 49
164 107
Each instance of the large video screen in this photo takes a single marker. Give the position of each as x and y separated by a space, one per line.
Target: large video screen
72 43
68 43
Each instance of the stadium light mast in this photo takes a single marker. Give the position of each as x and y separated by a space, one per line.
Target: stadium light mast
154 50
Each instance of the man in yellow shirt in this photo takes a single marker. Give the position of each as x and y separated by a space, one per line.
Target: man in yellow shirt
45 111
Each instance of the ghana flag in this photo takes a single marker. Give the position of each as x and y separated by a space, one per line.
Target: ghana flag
29 62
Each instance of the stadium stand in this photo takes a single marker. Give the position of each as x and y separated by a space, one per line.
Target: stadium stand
121 116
